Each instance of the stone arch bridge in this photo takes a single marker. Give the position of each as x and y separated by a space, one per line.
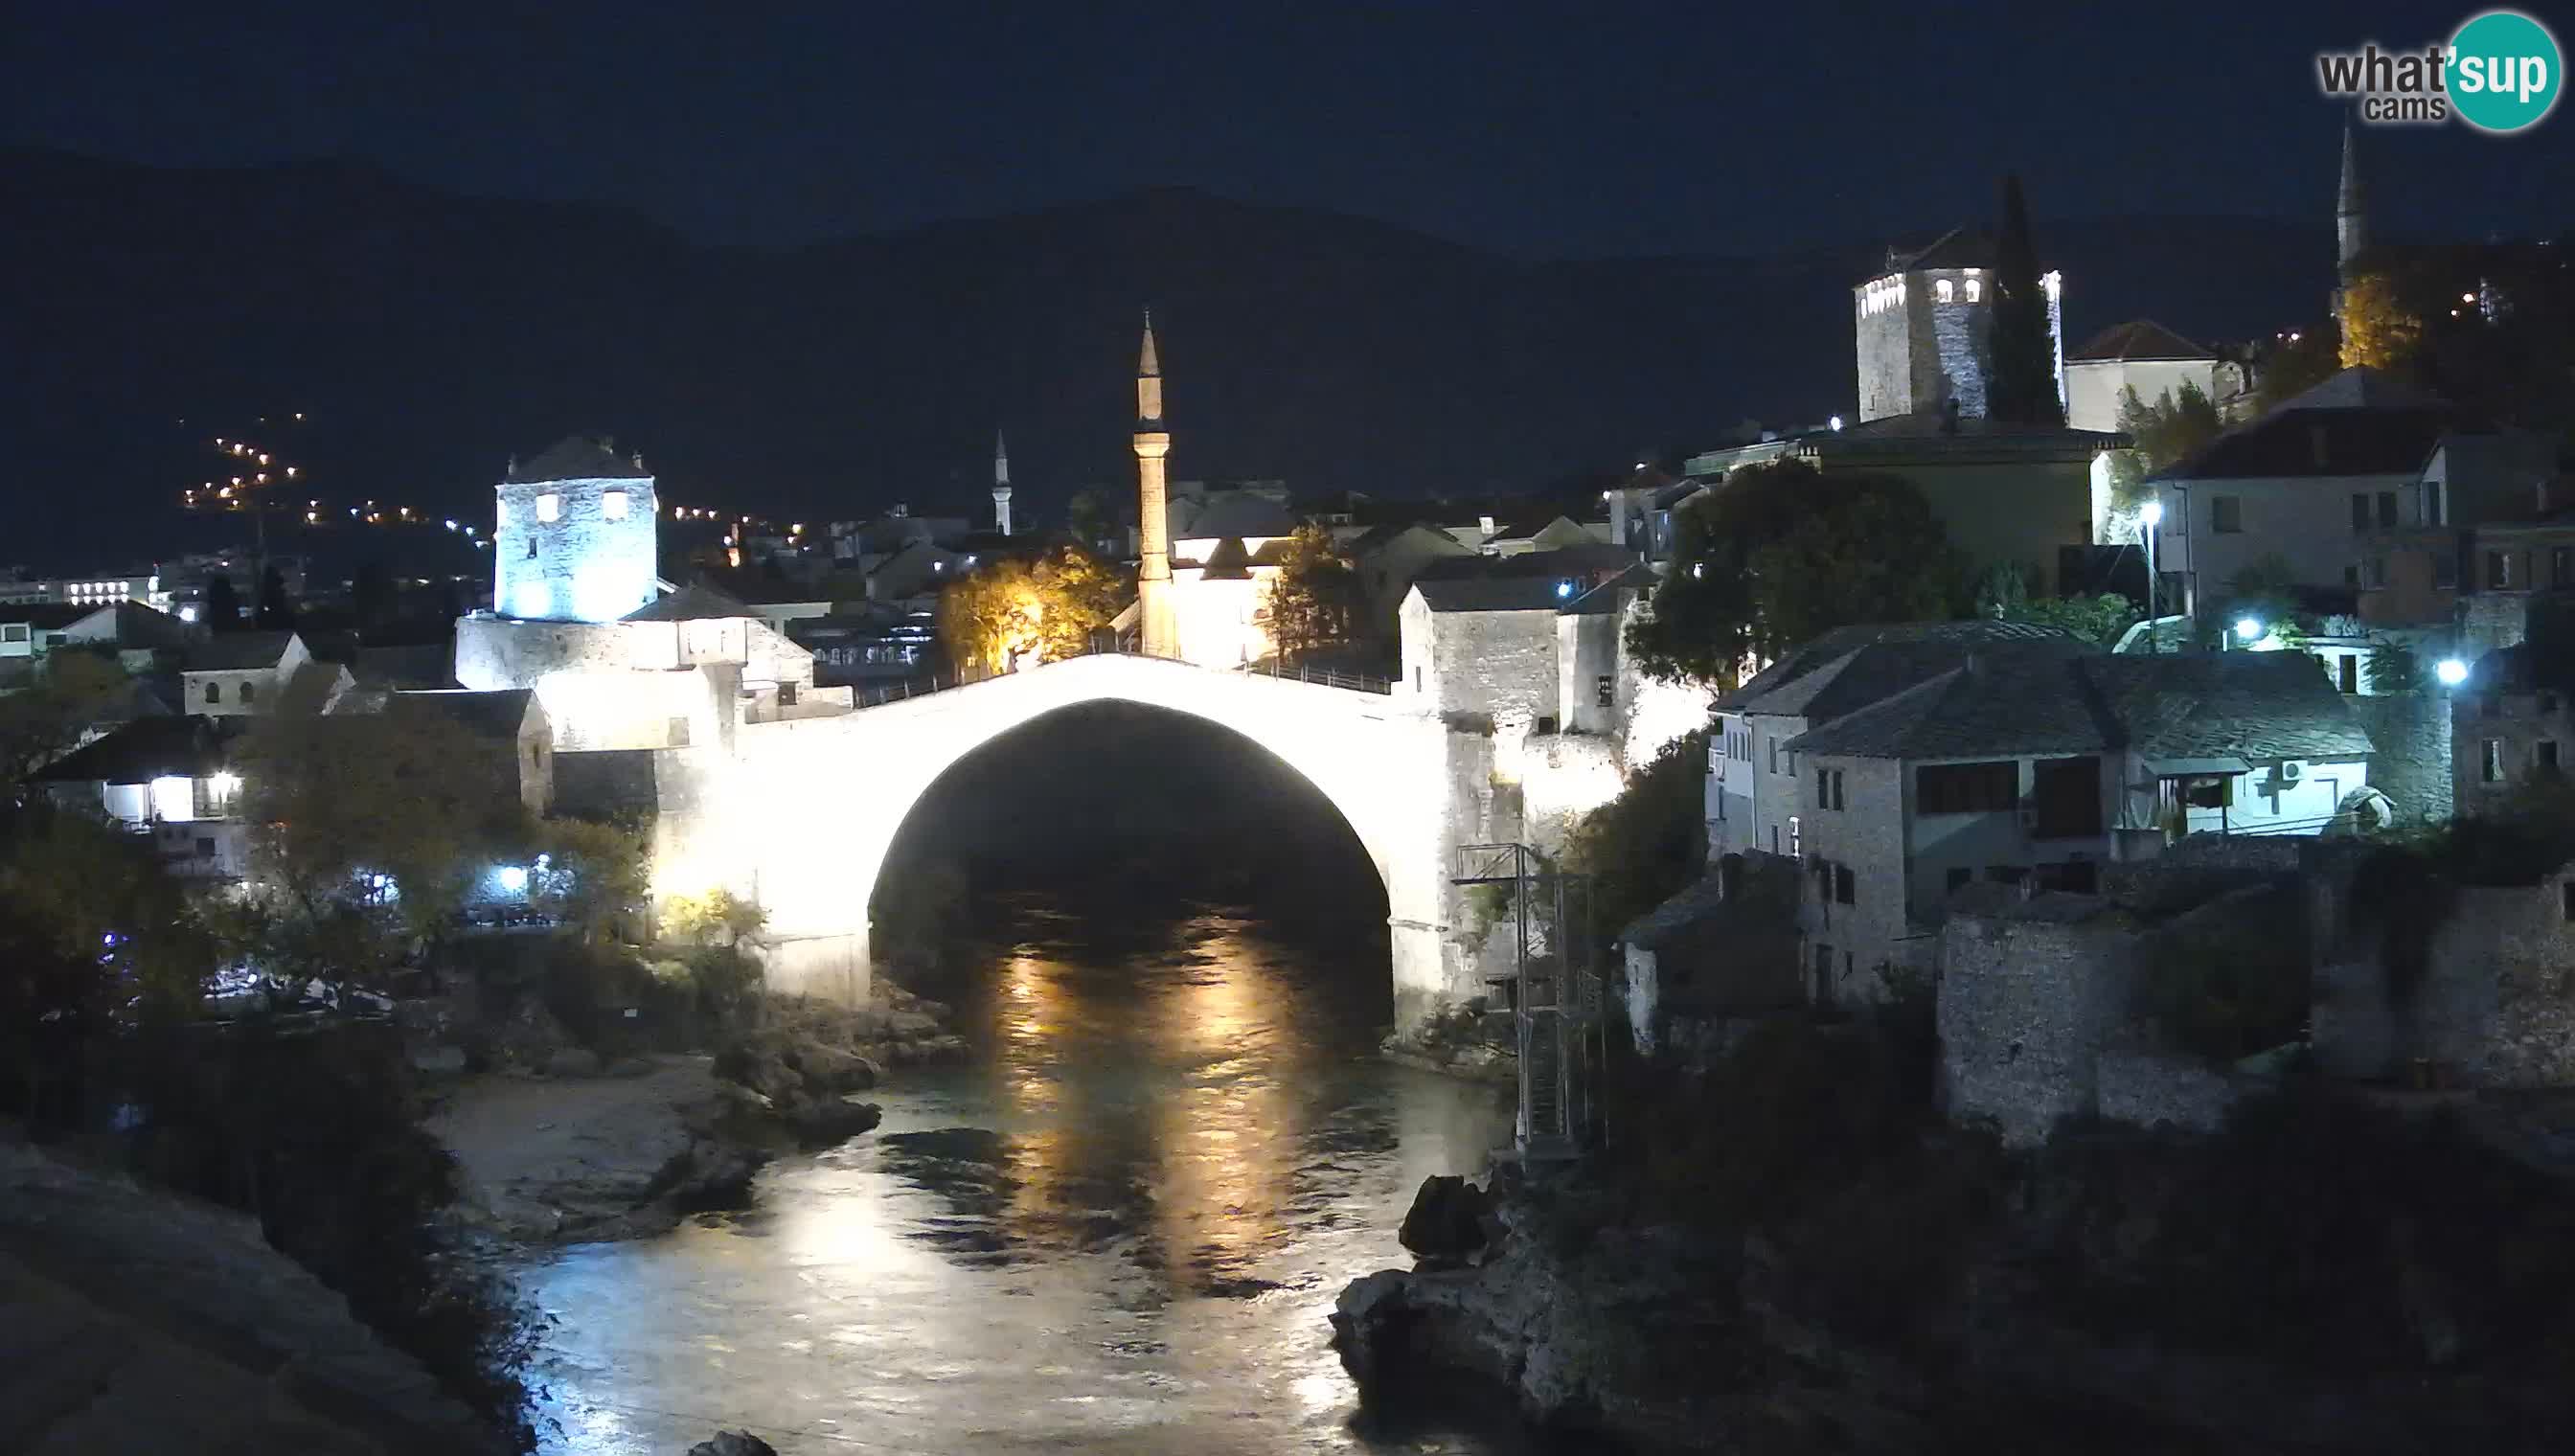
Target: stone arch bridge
801 813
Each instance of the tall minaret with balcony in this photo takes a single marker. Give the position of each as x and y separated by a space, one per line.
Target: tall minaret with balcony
1156 628
2351 221
1000 483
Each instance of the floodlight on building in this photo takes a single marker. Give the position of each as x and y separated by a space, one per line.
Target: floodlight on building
1836 422
2451 672
225 785
2248 629
512 878
1565 589
187 613
2152 512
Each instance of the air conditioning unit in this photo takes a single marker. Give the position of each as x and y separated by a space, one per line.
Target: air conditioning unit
2290 770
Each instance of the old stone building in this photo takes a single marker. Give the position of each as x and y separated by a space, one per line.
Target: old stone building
1922 322
575 535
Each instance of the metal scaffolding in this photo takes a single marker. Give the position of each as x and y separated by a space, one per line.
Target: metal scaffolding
1552 991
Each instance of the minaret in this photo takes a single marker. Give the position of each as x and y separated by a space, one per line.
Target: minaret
1158 630
2351 220
1000 483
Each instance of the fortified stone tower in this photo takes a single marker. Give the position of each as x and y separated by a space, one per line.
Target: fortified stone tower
1156 628
1000 483
574 541
2351 221
1922 326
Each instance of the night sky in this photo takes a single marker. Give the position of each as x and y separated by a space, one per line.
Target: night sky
1536 130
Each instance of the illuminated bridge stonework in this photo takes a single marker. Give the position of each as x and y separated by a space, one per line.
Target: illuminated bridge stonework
799 814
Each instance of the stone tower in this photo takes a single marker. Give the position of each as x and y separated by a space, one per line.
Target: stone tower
2351 220
1158 630
1000 483
576 536
1920 328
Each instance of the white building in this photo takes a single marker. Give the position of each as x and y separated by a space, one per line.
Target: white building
2139 354
575 537
233 673
166 777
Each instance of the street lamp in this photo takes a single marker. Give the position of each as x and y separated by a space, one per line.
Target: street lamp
2248 629
2153 516
2451 672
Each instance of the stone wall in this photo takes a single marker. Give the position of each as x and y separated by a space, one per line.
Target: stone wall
2030 994
2496 1006
582 564
2412 764
2160 1090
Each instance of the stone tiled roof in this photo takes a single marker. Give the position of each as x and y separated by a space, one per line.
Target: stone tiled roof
582 457
1226 561
2260 706
2358 423
1234 513
149 748
1606 596
1951 640
1490 594
237 652
692 602
497 714
2138 339
1580 561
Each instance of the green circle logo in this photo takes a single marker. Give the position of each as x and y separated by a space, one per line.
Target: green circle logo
2505 71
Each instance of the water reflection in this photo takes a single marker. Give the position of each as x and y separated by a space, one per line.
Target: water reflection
1120 1228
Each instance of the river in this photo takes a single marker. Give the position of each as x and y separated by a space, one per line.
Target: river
1119 1227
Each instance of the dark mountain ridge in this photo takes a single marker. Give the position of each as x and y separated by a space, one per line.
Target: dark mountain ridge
430 335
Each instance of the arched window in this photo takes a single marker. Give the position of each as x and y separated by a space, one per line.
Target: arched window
1941 290
1975 289
214 693
249 690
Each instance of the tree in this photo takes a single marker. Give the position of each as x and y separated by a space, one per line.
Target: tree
2175 427
2378 330
1314 601
1742 584
590 872
2004 595
71 694
276 609
698 918
221 606
2021 374
1645 845
364 834
1085 517
1012 611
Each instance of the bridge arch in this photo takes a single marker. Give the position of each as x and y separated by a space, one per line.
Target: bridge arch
802 814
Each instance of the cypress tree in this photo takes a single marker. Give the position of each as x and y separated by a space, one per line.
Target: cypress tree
2021 377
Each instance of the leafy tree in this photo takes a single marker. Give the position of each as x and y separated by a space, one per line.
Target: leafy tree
1314 600
698 918
1643 846
593 873
2022 349
2172 428
50 716
2004 595
2378 330
364 834
1014 611
276 609
1087 517
221 606
2294 366
1779 553
2394 668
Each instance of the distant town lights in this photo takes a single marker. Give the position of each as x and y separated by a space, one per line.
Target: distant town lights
2451 672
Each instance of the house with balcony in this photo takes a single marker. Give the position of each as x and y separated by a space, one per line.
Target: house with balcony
2034 768
166 779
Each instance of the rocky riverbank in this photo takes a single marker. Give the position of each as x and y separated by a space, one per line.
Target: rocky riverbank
140 1321
2110 1296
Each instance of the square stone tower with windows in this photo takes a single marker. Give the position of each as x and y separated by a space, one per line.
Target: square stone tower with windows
1922 325
577 535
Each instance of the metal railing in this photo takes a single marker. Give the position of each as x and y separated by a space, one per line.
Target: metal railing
1553 989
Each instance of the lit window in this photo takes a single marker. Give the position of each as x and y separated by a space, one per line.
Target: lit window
613 505
549 507
1943 290
1975 289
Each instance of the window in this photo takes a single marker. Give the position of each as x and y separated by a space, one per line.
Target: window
2544 756
1797 840
1975 289
1844 884
612 505
786 695
249 690
2376 575
2499 571
549 507
2347 668
1837 789
2431 502
2445 570
2387 507
2214 790
214 693
1960 788
2360 510
1545 725
1416 680
1823 975
532 548
2065 796
1824 788
1943 290
205 847
2227 515
1604 690
14 632
2561 565
1774 756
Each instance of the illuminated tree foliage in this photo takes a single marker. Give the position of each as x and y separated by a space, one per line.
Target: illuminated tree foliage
1015 613
2172 428
1314 601
2378 330
1780 552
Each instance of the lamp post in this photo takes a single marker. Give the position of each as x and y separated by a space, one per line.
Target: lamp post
2152 517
